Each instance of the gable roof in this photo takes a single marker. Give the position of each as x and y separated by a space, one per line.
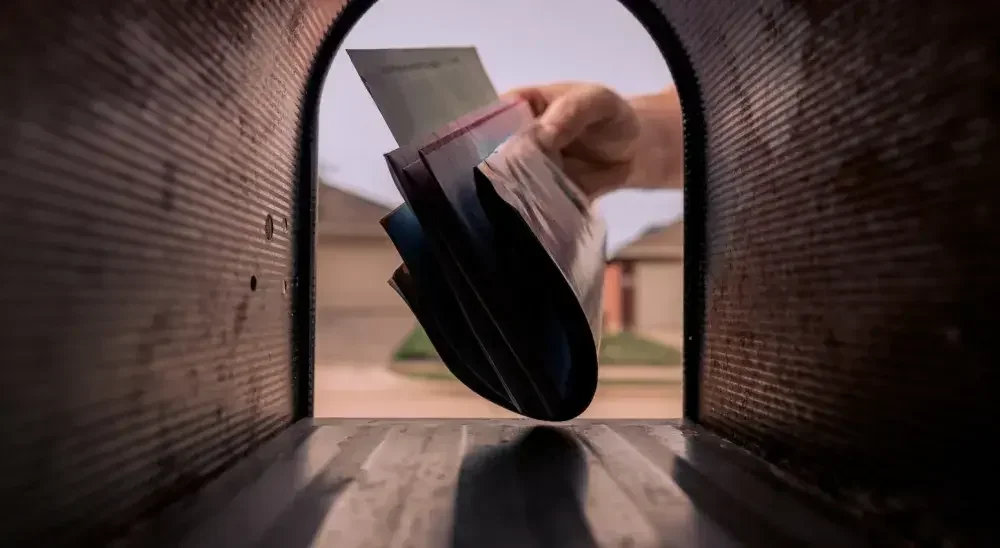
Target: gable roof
664 241
344 213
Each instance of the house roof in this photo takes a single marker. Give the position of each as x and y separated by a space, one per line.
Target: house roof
344 213
658 242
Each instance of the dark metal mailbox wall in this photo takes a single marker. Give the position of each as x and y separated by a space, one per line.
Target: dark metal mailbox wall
157 201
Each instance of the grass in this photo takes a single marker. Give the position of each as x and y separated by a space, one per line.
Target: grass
438 372
616 349
630 349
416 346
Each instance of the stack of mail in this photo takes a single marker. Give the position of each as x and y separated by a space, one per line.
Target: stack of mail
503 260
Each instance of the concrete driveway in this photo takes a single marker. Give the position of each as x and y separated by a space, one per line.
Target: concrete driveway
353 351
359 337
373 392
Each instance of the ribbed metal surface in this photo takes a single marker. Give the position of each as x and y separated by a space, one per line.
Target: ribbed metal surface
147 334
852 239
500 483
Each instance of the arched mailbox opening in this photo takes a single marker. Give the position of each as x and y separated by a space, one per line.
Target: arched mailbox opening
364 328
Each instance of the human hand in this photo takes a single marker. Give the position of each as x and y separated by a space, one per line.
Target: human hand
605 142
592 130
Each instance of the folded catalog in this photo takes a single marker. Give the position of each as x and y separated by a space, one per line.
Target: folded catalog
503 262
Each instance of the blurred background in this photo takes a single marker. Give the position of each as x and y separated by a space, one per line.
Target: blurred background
373 360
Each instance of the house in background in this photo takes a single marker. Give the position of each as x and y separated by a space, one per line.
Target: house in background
354 258
644 284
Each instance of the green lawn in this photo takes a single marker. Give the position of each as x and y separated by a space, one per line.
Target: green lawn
630 349
432 371
416 346
617 349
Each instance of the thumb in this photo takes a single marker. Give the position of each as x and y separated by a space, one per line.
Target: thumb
569 116
534 97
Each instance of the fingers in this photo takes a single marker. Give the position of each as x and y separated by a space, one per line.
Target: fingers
566 110
533 96
540 97
567 117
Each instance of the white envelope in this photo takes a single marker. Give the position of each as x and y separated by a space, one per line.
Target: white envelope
420 90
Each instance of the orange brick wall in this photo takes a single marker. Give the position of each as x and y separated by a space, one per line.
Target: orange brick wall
613 298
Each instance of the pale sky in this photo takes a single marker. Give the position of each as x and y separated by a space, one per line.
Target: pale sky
521 42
